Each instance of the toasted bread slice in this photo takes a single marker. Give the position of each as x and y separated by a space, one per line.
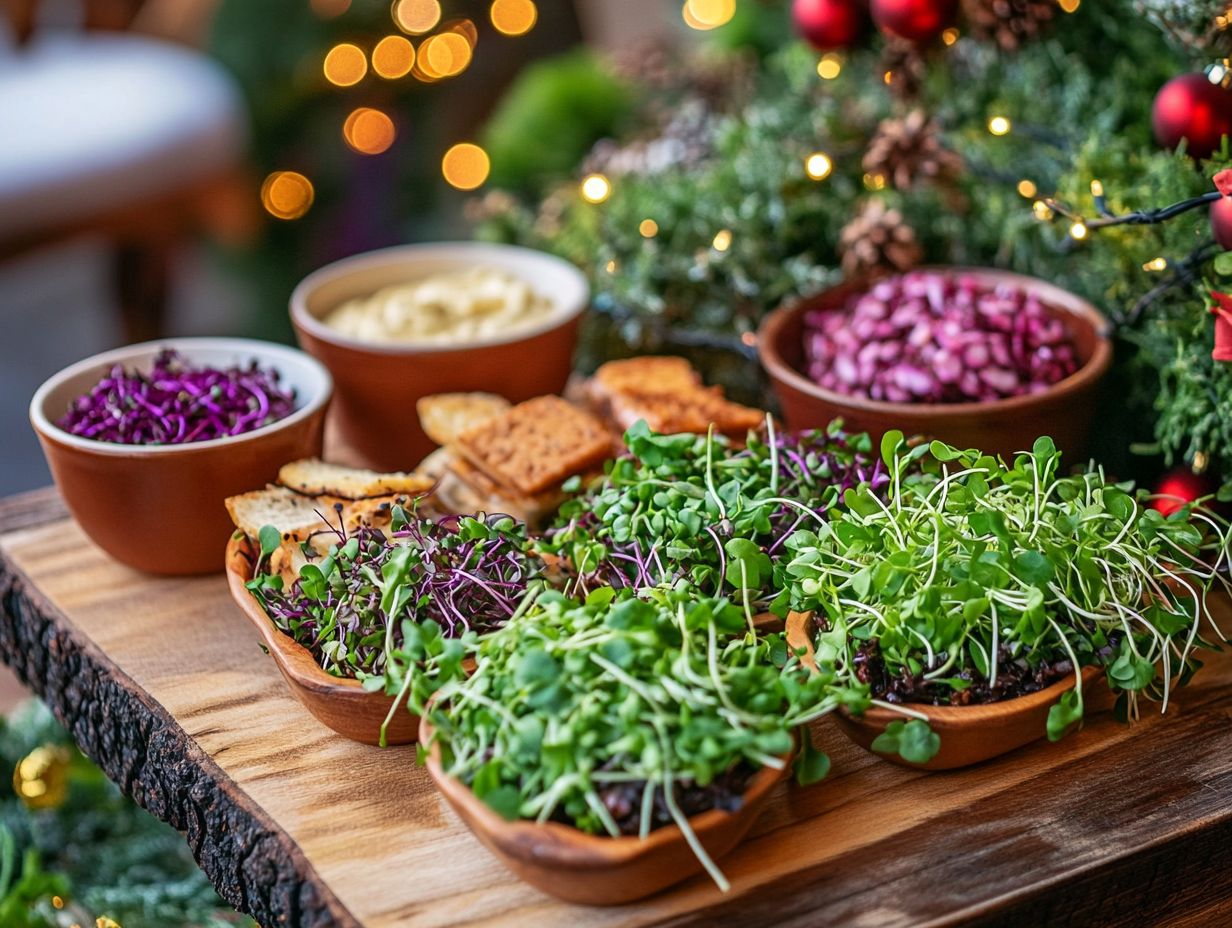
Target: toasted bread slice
294 515
647 375
466 489
445 416
694 411
314 477
536 445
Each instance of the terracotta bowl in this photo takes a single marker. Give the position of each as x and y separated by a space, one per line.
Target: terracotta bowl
378 384
593 869
160 508
1004 427
341 704
971 734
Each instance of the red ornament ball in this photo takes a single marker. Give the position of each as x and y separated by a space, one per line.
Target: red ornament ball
830 24
917 21
1191 107
1178 487
1221 222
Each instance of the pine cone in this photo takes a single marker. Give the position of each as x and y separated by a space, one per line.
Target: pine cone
903 67
1009 23
909 150
878 239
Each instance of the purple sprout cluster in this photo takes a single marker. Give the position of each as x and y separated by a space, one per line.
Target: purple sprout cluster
177 403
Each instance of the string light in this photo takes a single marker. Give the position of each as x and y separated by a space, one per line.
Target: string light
1026 189
1156 264
1069 6
1078 231
611 266
707 14
368 131
1043 212
393 57
950 36
513 17
875 181
345 65
286 194
829 67
1097 189
888 77
648 228
444 55
818 165
465 166
596 188
999 125
416 16
722 240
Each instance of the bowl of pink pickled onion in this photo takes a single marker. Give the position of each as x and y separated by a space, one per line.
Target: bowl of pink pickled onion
146 442
974 357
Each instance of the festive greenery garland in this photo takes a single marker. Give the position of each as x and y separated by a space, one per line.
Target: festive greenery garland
820 175
74 851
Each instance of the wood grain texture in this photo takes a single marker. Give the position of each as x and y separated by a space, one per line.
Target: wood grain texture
163 682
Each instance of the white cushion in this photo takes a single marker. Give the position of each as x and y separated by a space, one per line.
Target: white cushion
90 123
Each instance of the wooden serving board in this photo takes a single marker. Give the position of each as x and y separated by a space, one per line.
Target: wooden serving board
163 683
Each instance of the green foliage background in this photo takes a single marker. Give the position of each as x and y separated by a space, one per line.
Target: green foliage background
1079 101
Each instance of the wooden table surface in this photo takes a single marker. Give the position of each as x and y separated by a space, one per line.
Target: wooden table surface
162 682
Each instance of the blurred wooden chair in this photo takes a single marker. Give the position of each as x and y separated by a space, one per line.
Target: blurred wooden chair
110 130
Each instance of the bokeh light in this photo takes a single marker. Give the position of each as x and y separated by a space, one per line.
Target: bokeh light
818 165
950 36
1069 6
1027 188
329 9
708 14
286 194
465 166
345 65
416 16
369 131
722 240
595 188
648 228
999 125
463 27
444 55
830 66
513 17
393 57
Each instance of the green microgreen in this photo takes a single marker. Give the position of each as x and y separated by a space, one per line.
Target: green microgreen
621 714
977 580
690 507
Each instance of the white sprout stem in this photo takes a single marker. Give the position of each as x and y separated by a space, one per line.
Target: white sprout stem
901 710
774 454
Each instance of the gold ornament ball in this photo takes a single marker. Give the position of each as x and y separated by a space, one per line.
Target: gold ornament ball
40 778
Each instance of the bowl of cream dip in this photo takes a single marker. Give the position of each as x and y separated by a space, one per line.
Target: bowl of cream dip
402 323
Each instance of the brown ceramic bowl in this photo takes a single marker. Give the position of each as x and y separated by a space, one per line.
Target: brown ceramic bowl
343 705
379 383
971 734
1004 427
159 508
594 869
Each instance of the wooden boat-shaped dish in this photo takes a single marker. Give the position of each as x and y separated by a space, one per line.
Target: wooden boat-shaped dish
971 734
339 703
594 869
